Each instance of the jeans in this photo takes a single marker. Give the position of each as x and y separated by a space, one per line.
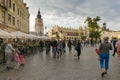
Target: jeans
54 49
104 60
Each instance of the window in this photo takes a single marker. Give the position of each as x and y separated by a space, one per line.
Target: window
3 2
9 18
13 7
9 3
18 22
18 11
3 17
13 20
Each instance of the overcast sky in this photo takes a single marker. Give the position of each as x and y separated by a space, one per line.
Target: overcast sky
72 13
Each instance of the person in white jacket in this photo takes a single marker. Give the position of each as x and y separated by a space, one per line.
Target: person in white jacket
9 54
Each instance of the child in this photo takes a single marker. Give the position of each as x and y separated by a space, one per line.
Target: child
16 59
21 56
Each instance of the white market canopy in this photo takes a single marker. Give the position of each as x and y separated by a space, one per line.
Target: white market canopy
44 37
19 34
31 36
4 34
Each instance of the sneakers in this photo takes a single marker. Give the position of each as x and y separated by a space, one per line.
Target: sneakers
9 67
103 73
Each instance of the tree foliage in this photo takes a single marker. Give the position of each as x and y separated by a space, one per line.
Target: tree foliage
93 26
83 37
81 34
57 36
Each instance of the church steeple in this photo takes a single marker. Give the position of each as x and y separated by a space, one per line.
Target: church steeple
104 26
39 28
39 15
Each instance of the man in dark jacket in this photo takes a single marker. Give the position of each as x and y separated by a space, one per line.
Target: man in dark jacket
54 47
78 48
114 43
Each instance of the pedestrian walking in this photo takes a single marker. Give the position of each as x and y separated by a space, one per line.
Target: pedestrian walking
60 48
78 48
114 47
69 44
118 48
104 48
16 59
64 46
54 47
9 54
22 55
47 44
41 44
92 42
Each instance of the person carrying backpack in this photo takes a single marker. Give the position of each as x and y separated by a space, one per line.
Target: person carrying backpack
104 48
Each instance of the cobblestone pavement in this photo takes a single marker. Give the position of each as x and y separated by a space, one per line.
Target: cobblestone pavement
44 67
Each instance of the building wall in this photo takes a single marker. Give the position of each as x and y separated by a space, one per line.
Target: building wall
39 26
68 33
64 33
110 34
16 15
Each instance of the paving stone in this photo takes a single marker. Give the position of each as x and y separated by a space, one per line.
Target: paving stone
43 67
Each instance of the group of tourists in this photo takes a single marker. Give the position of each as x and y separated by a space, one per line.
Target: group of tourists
17 51
13 52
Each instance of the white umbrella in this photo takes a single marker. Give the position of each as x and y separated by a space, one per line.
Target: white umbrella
19 34
44 37
31 36
4 34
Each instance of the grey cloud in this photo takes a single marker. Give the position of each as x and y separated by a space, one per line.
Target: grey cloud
73 12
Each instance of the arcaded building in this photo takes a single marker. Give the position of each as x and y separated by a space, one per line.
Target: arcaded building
14 15
64 33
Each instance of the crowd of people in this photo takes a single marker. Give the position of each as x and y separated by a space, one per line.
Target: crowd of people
17 50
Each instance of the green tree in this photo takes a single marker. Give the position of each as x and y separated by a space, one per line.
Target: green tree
83 37
81 33
57 36
93 26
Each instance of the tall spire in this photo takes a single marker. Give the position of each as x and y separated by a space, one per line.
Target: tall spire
39 15
104 26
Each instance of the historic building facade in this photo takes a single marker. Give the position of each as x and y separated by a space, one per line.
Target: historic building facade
39 29
14 15
109 33
68 33
63 33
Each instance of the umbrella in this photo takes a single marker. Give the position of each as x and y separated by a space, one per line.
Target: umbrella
31 36
19 34
4 34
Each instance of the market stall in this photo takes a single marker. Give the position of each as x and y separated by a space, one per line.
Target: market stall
4 34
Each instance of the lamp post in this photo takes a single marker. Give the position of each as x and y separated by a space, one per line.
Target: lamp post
45 29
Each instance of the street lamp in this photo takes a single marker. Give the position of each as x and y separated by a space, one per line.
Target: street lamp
45 29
